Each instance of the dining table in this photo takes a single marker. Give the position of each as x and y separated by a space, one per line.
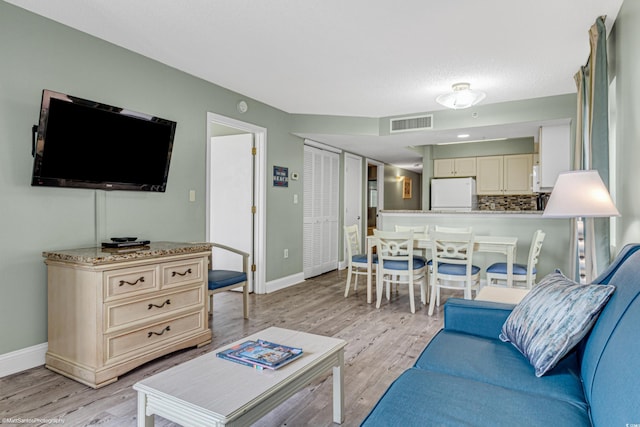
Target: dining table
504 245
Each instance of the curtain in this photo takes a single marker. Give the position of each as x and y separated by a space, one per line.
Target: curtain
590 244
599 133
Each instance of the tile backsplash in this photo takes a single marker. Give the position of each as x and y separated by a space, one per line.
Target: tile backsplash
507 203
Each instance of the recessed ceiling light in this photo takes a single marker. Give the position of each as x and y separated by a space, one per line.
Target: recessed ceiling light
463 135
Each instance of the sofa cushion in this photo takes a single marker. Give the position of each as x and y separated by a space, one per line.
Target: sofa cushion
552 318
421 398
611 357
501 364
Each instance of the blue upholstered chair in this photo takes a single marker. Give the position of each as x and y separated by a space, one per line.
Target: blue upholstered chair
451 264
356 258
226 280
521 272
397 264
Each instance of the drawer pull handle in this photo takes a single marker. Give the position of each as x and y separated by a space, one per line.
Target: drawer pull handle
174 273
124 282
150 334
167 302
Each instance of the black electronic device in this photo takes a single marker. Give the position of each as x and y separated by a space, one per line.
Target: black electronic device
87 144
125 244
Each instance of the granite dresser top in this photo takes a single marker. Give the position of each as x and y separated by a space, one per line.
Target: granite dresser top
100 255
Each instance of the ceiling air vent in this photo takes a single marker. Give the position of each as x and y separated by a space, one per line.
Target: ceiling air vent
407 124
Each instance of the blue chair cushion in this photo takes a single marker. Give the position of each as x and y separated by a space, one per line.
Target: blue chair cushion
362 258
223 278
454 269
418 262
501 268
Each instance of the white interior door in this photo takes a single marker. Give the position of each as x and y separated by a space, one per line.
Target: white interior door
320 235
231 199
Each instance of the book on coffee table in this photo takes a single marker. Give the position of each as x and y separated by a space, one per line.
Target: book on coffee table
261 354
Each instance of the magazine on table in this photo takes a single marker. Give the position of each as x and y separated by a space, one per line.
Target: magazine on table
261 354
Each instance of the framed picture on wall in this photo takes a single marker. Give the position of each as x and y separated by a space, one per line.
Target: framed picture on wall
406 188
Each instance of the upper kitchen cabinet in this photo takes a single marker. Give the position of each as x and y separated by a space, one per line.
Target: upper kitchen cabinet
501 175
454 168
555 153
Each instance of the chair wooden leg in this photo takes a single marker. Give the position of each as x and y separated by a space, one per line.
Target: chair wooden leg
412 303
346 290
432 301
379 285
245 300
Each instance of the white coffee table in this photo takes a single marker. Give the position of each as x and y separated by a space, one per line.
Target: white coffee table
209 391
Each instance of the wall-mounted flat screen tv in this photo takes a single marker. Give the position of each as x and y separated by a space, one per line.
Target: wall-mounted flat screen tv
87 144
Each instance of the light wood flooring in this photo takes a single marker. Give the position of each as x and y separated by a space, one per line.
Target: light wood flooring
381 345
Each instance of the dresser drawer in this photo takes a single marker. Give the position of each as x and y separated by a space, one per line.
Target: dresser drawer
128 281
160 334
181 272
119 315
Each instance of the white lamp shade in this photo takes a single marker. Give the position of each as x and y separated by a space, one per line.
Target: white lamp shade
580 193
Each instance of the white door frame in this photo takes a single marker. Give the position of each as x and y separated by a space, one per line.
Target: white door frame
361 216
260 138
380 180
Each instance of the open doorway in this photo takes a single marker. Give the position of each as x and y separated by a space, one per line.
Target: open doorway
235 176
375 193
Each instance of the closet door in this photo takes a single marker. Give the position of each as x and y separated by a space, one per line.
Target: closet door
321 176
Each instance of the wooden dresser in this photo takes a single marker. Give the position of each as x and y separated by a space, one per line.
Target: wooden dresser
111 310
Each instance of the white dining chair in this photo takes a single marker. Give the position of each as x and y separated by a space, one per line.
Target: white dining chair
451 264
398 264
356 258
421 230
524 274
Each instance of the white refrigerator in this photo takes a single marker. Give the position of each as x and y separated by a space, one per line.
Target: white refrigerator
453 194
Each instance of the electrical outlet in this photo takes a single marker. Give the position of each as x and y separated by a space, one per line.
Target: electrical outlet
286 253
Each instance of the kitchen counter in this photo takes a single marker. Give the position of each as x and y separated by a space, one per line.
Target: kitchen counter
518 214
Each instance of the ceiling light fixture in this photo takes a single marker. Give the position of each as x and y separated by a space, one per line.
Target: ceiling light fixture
461 97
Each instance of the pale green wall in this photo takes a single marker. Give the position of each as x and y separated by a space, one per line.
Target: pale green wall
624 64
393 189
485 148
36 54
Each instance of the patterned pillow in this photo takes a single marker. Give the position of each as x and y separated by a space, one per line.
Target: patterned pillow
552 318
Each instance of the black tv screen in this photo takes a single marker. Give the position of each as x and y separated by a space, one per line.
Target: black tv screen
87 144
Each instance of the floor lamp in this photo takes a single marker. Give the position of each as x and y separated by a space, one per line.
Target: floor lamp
578 195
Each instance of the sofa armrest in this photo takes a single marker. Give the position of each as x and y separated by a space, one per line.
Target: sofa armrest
481 318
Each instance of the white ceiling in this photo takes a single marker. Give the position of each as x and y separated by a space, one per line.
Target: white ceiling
369 58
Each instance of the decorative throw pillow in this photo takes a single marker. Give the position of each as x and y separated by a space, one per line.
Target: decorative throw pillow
552 318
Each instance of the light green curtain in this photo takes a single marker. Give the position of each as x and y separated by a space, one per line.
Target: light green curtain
592 150
599 132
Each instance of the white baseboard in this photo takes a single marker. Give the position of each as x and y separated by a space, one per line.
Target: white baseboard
284 282
22 359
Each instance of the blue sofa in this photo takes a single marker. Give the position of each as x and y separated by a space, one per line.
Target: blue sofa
467 376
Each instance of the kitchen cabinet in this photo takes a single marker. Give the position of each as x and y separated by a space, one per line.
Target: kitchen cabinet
454 168
504 175
555 153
